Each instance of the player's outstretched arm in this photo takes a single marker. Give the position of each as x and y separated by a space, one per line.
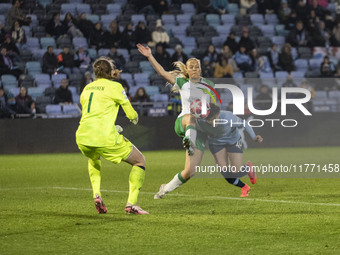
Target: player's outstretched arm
146 51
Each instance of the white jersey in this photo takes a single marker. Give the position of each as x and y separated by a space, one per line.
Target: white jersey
191 91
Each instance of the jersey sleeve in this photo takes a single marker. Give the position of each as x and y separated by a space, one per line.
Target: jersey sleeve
180 82
121 98
238 122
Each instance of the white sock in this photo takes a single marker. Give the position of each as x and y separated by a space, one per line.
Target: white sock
173 184
192 134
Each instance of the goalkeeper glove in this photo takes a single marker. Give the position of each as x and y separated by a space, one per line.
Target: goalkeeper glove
135 121
119 129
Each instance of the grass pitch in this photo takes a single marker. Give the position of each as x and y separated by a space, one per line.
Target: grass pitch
47 208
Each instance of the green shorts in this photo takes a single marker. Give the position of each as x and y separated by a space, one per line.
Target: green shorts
115 154
180 131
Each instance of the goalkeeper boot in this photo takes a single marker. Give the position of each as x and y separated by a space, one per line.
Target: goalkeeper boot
161 193
100 206
251 173
245 190
134 209
187 144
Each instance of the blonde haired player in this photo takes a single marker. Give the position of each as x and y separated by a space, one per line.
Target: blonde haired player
188 81
97 135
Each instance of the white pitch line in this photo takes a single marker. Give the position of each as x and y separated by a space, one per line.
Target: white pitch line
209 197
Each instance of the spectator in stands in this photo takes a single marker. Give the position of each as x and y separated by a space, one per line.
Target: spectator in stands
16 14
284 12
142 33
302 10
112 37
6 64
223 69
293 18
160 7
85 80
248 7
243 60
231 42
117 58
12 49
336 34
24 102
207 69
289 83
212 54
327 68
245 40
5 109
2 34
273 57
18 35
71 26
159 35
228 54
141 96
162 57
319 10
286 59
97 37
50 61
66 60
55 27
85 25
179 55
268 6
127 38
63 95
204 6
144 6
298 36
220 6
263 101
259 63
82 59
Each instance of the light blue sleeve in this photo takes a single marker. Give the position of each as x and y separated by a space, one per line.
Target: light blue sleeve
238 122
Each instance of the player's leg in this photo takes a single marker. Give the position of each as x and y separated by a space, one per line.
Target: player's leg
182 177
137 175
236 160
190 133
94 169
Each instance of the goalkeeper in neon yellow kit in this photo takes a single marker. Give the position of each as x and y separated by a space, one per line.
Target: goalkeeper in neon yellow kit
97 135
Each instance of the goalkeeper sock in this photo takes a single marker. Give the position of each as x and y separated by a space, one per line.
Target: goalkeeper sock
94 167
176 182
236 182
136 180
191 132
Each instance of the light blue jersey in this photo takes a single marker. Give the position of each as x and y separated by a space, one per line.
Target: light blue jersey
226 131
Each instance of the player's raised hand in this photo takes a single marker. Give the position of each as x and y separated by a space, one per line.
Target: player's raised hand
146 51
258 139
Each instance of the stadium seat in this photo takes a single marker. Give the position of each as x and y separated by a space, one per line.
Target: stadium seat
188 41
8 80
79 42
321 95
228 19
135 18
33 67
161 98
32 42
141 78
315 64
37 54
14 91
92 17
233 9
188 8
151 90
169 19
183 20
213 19
146 67
257 19
107 19
35 92
179 31
103 52
92 53
69 7
298 74
53 109
281 74
218 41
267 30
47 41
4 8
224 30
305 52
266 75
127 77
56 79
70 109
114 8
271 18
334 94
34 19
83 8
279 40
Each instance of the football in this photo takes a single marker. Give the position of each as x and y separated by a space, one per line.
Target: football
197 111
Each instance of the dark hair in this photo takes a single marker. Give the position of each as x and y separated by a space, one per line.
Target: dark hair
214 110
102 68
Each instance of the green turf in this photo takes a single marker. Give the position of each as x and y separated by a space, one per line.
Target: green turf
37 217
